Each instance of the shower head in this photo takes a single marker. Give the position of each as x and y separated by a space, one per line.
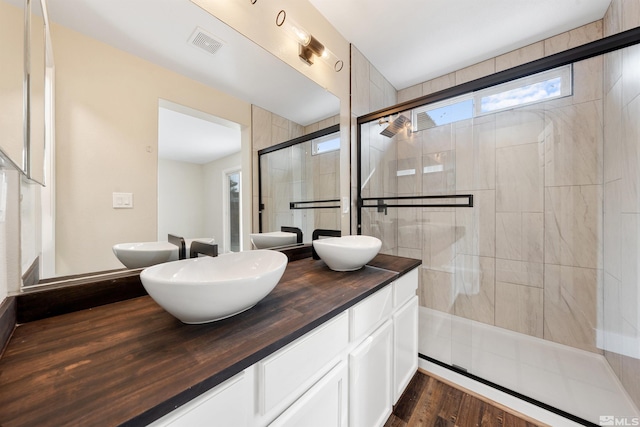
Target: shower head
396 126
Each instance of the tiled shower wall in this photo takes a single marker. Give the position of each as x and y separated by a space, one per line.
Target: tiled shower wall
621 329
528 255
294 176
538 254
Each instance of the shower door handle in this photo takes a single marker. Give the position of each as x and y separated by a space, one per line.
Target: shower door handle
382 206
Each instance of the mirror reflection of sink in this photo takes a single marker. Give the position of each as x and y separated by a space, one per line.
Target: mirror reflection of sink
347 253
201 290
273 239
145 254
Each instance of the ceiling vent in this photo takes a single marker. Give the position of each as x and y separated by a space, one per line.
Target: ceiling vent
200 38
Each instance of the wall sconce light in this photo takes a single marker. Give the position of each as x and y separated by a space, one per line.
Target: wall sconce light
308 46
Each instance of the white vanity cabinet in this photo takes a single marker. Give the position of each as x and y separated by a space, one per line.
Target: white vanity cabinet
228 404
370 379
347 372
324 405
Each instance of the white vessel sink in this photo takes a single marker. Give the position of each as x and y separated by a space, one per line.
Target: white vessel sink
205 289
145 254
347 253
273 239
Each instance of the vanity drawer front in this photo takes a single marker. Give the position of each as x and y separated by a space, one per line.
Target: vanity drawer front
365 315
288 373
405 288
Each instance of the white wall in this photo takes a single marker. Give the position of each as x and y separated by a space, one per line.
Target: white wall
214 184
180 199
198 187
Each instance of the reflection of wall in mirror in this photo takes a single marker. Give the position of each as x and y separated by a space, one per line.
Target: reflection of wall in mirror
294 174
106 141
199 187
11 81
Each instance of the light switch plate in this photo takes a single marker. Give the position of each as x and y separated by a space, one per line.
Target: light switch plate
123 200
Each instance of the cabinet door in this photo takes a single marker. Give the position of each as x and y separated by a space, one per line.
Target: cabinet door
370 379
405 346
324 405
227 404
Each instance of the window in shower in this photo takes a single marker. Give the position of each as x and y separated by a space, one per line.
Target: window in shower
540 87
325 144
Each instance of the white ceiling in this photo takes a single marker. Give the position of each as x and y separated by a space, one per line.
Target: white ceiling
412 41
195 138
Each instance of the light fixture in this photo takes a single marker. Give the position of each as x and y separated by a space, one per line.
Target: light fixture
308 46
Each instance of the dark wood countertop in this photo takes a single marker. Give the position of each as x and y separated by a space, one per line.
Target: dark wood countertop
130 362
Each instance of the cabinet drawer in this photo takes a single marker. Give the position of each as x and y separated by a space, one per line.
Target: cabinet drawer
225 404
324 405
405 288
288 373
365 315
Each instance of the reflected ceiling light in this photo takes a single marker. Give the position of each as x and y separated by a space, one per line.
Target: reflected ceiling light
308 46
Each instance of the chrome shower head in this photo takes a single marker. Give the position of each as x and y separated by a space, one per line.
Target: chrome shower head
395 126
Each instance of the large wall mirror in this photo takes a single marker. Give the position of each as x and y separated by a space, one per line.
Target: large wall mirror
112 74
25 89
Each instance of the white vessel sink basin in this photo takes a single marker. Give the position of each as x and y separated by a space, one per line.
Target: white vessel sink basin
347 253
145 254
273 239
205 289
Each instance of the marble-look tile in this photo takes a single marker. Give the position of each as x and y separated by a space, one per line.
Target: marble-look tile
481 69
630 14
279 134
571 303
409 176
612 317
475 227
438 139
360 82
612 69
475 288
612 228
439 173
520 236
476 156
573 150
409 253
520 272
630 80
438 240
376 98
439 83
409 93
519 308
520 56
573 226
576 37
519 126
410 228
377 79
612 144
261 128
630 269
612 21
436 290
630 377
520 178
630 203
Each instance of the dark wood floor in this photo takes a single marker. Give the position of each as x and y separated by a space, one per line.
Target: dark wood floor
430 402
